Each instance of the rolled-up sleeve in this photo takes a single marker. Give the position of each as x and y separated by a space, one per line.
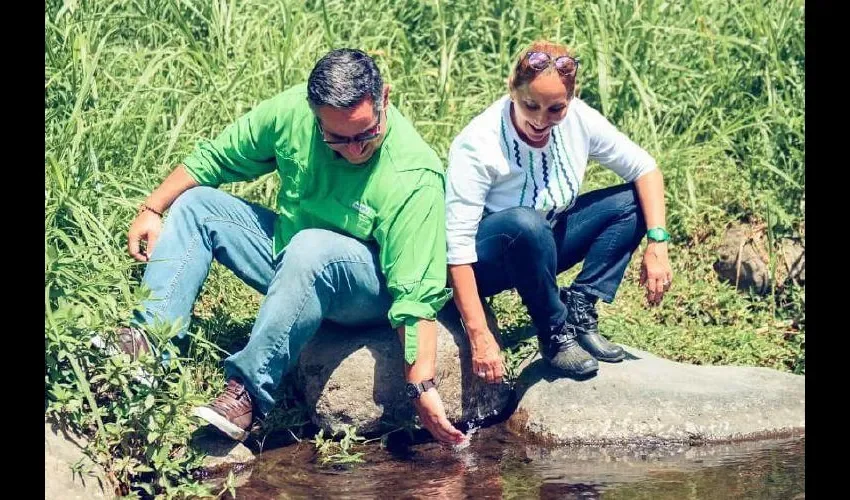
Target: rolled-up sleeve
614 150
244 151
468 181
413 258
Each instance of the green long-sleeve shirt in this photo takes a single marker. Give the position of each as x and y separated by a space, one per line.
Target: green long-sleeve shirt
396 199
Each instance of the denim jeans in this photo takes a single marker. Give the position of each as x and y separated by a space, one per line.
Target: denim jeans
319 275
517 248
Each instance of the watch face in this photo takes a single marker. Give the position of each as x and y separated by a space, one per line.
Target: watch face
411 391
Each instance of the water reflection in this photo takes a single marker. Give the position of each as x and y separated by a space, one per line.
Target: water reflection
498 465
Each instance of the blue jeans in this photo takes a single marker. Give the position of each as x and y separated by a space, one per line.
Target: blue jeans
517 248
319 275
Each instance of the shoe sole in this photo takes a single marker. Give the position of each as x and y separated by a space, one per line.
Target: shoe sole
227 427
611 360
607 359
575 372
586 371
614 359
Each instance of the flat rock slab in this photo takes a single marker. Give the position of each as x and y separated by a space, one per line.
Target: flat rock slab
62 450
646 399
356 377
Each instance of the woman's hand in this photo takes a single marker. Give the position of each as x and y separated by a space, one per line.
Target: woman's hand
655 272
487 357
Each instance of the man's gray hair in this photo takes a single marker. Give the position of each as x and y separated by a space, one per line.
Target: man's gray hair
343 78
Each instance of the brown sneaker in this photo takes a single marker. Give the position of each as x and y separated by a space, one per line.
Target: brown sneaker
231 413
132 341
127 340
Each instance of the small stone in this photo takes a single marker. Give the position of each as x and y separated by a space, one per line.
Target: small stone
222 454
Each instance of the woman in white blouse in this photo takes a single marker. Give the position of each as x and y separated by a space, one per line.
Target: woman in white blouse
514 218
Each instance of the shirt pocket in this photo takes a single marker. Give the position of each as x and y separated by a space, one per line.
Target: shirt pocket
354 218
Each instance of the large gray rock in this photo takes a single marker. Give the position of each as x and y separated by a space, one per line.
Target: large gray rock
740 262
356 377
743 260
647 399
63 449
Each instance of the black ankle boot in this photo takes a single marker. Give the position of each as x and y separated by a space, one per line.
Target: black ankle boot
562 352
581 314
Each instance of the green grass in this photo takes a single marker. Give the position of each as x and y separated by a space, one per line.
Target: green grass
714 90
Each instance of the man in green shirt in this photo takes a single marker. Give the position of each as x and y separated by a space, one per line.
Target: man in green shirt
358 236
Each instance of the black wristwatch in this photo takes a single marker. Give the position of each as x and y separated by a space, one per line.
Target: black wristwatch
413 391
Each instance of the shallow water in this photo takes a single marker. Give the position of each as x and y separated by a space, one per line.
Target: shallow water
499 465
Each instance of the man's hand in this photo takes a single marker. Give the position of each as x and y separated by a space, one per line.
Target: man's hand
487 357
147 224
655 272
145 227
429 406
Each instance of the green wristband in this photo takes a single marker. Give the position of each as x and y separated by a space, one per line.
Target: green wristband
658 234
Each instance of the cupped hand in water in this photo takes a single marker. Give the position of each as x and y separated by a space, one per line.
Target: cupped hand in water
429 406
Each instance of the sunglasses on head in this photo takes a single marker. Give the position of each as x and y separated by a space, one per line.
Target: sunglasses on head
539 61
